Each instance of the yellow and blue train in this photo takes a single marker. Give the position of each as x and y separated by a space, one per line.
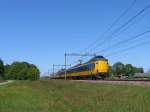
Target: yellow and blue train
96 68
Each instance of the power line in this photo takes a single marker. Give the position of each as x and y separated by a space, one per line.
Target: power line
76 54
82 55
131 19
75 62
112 25
124 25
128 48
133 23
124 41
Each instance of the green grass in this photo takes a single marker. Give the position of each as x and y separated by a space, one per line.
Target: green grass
62 96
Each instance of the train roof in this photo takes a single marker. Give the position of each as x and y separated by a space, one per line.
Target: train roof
96 58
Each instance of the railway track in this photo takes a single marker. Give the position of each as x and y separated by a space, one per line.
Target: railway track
119 82
130 80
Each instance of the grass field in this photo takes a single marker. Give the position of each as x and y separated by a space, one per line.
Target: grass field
61 96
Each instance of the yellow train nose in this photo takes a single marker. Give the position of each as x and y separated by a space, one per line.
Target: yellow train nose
103 67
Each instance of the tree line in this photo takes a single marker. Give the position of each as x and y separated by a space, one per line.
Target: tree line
19 71
119 69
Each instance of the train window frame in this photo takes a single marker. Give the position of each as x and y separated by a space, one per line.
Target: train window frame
87 67
91 66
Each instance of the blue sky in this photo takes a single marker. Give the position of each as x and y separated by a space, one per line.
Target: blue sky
41 31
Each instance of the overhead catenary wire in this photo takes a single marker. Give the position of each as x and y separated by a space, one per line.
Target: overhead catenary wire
132 18
129 21
125 41
128 48
133 25
112 25
123 25
109 28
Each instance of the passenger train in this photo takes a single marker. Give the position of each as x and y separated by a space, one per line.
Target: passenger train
95 68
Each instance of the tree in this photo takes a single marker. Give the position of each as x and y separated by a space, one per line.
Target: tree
22 74
129 70
22 70
33 73
2 70
111 72
14 70
138 70
7 68
118 69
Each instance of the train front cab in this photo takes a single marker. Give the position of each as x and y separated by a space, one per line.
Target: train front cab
101 70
